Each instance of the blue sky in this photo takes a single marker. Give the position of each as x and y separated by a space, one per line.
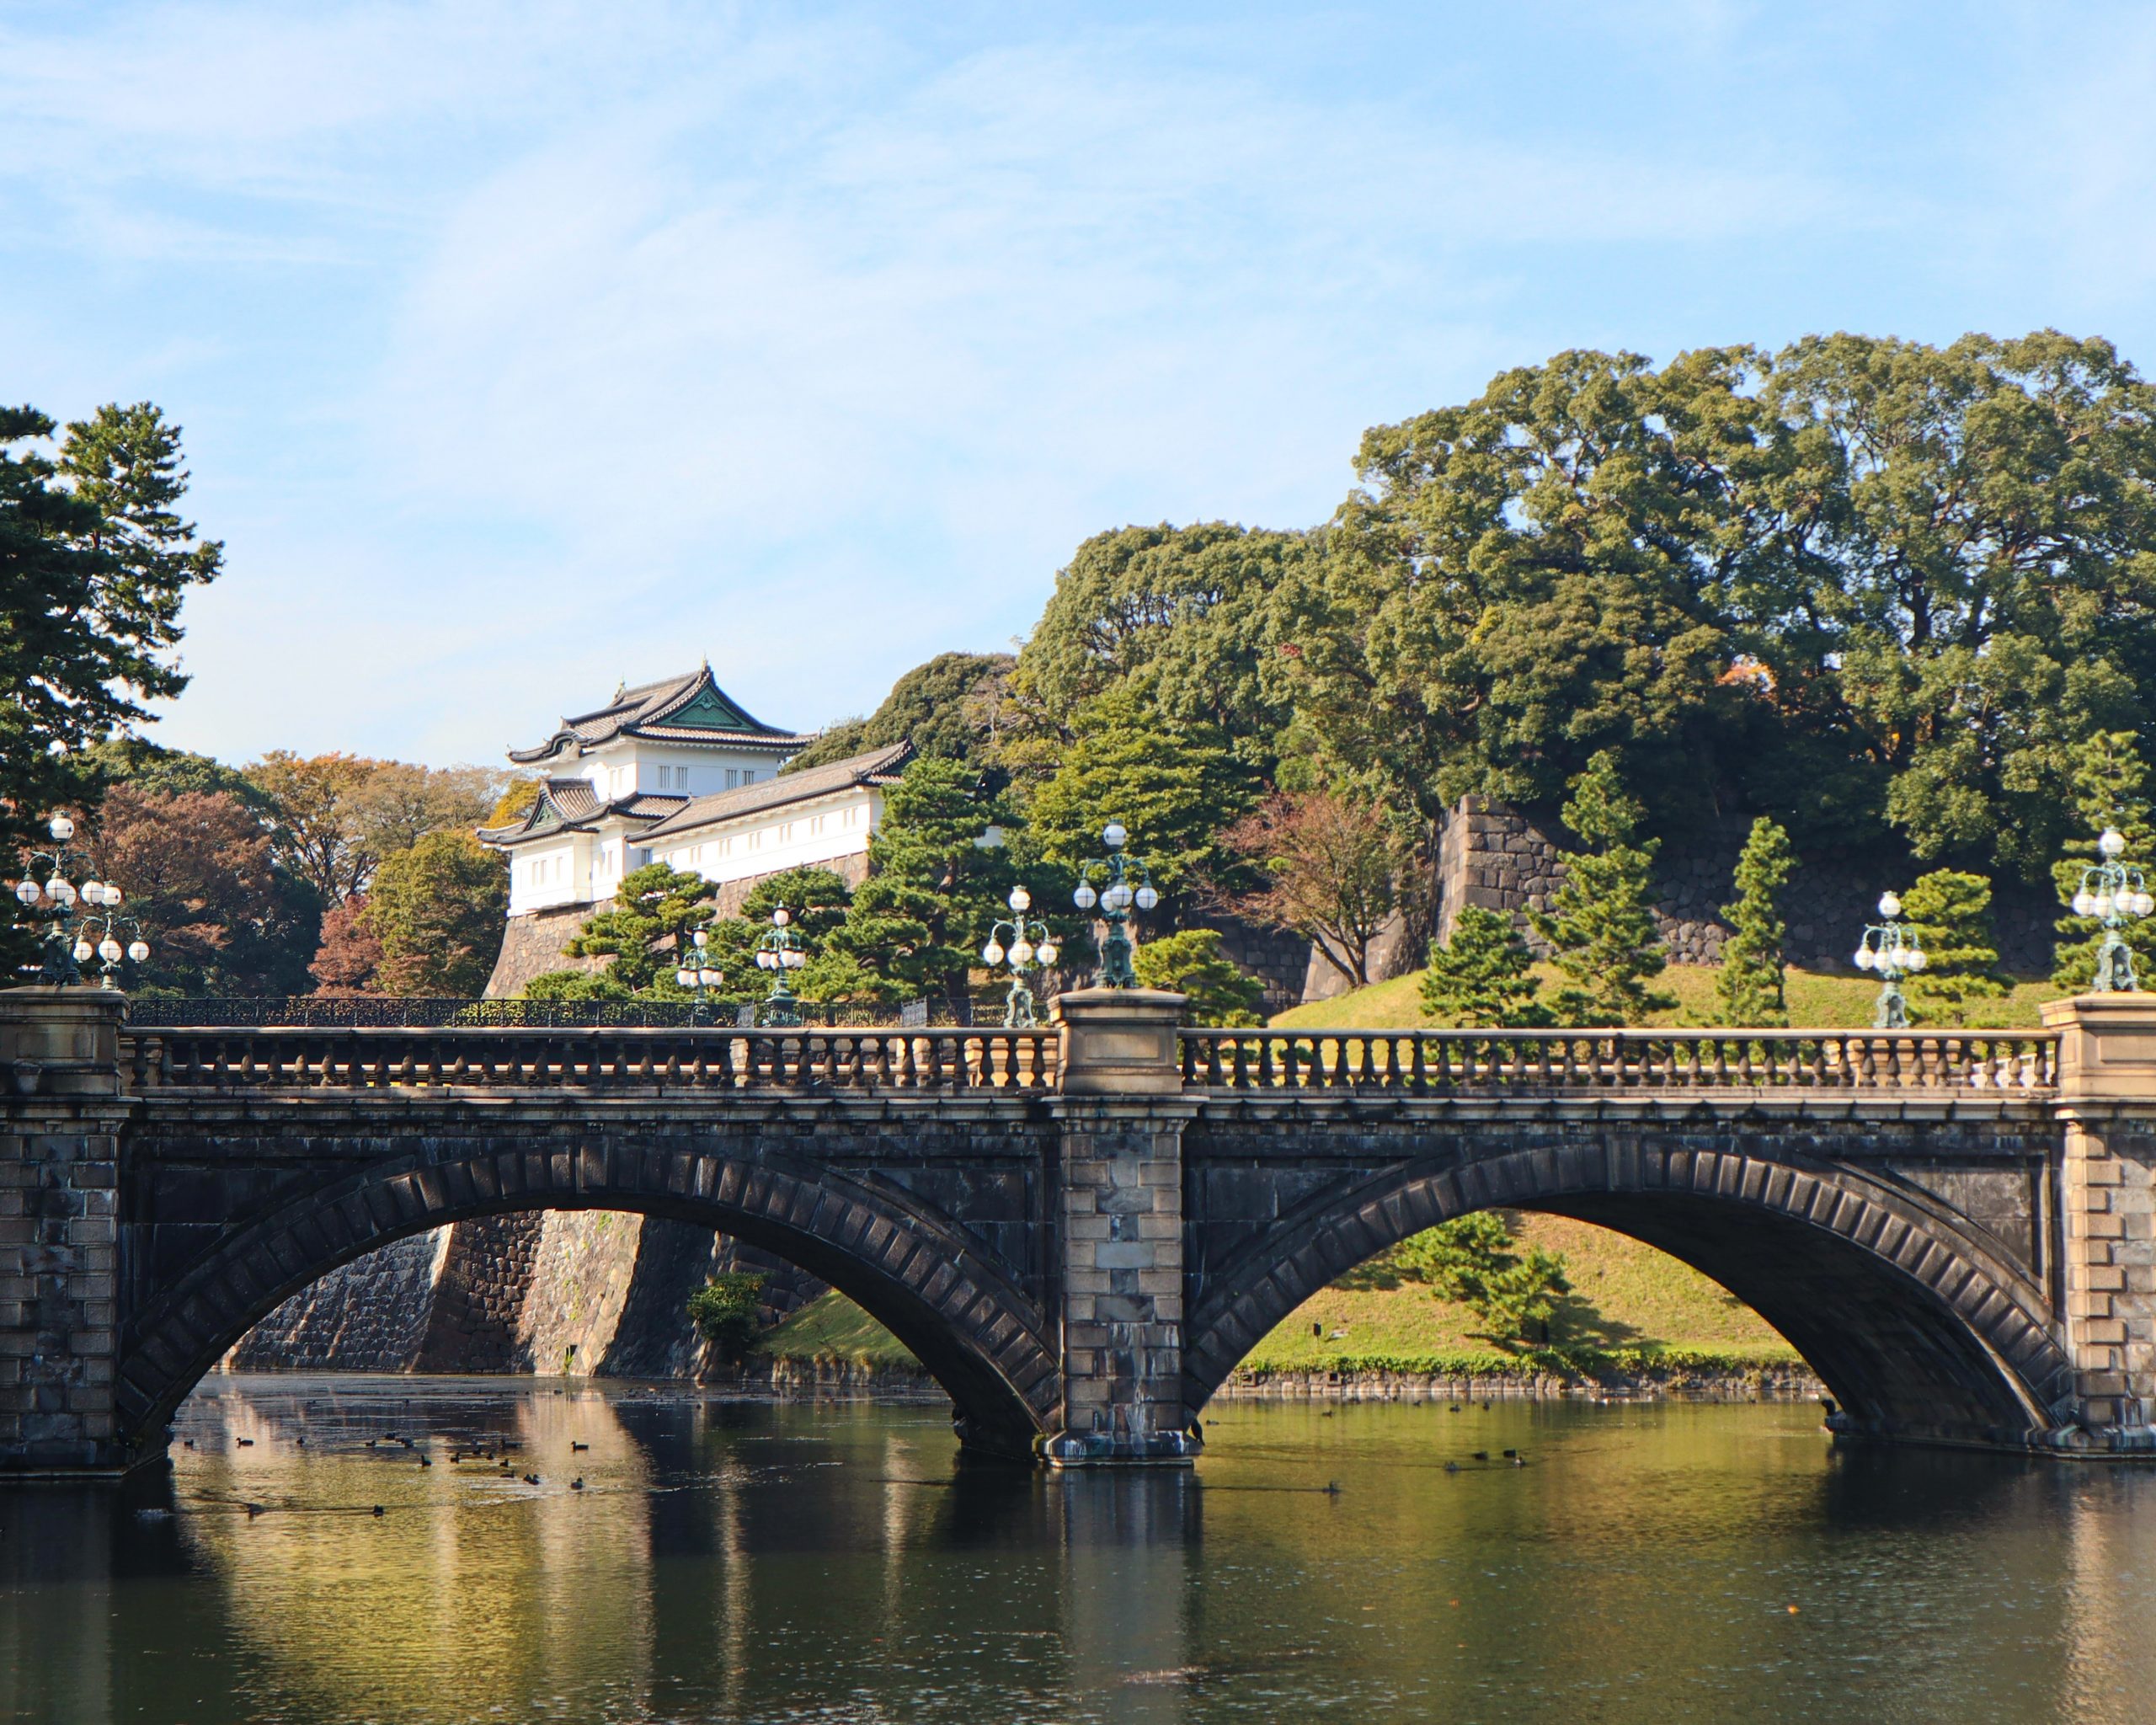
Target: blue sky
525 348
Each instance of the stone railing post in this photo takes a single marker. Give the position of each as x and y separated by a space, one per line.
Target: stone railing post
61 1114
2106 1194
1121 1112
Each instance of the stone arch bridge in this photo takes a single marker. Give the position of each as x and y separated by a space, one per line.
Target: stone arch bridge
1080 1229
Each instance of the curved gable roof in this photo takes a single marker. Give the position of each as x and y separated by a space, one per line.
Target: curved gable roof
681 709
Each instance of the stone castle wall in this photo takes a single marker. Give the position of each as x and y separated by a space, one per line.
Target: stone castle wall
1501 859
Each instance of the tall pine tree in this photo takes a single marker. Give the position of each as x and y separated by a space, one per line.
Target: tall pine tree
1600 923
2110 789
1748 987
1483 978
917 923
1950 913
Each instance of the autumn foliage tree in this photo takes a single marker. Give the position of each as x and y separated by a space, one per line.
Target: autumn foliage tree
197 872
1329 869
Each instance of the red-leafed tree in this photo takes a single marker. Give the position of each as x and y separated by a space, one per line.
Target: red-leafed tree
1330 869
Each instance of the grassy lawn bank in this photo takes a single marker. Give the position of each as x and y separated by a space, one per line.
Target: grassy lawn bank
1625 1295
1816 1001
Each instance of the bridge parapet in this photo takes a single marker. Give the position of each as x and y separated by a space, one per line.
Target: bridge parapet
1563 1062
452 1058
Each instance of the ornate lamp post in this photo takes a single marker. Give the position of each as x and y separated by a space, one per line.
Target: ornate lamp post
778 952
2115 893
1030 943
1889 948
697 974
1115 898
74 939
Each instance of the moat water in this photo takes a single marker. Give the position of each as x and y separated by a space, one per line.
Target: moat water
751 1562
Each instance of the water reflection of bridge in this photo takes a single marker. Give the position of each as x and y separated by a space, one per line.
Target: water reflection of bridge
1080 1231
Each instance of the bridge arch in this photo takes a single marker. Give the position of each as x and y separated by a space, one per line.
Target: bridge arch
971 1327
1917 1326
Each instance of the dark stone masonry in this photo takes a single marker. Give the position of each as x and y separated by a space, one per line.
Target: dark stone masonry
1079 1232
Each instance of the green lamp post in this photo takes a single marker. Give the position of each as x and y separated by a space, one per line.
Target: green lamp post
2115 893
1030 943
1890 951
779 952
1115 898
695 974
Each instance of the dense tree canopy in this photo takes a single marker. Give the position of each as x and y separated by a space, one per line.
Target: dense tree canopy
1858 585
947 708
1180 618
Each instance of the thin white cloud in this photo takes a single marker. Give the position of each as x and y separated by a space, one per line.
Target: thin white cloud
525 346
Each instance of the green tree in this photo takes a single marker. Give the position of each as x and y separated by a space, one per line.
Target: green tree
1600 923
2110 789
1526 581
725 1312
1483 978
653 908
94 564
947 707
816 899
438 909
1976 594
1192 962
1950 913
1177 789
1749 985
1473 1261
1180 618
932 895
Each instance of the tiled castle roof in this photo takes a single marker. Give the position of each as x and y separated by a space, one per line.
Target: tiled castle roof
878 766
682 709
569 804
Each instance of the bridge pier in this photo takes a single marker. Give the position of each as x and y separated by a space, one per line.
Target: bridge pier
2106 1110
60 1137
1121 1114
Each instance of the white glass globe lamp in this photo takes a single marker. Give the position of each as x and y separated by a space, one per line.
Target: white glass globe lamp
1147 898
781 918
1890 905
60 891
139 951
82 951
2113 844
1866 958
1021 953
108 949
26 890
1020 898
1915 959
1049 952
687 978
1115 836
1085 898
2084 903
992 954
61 828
